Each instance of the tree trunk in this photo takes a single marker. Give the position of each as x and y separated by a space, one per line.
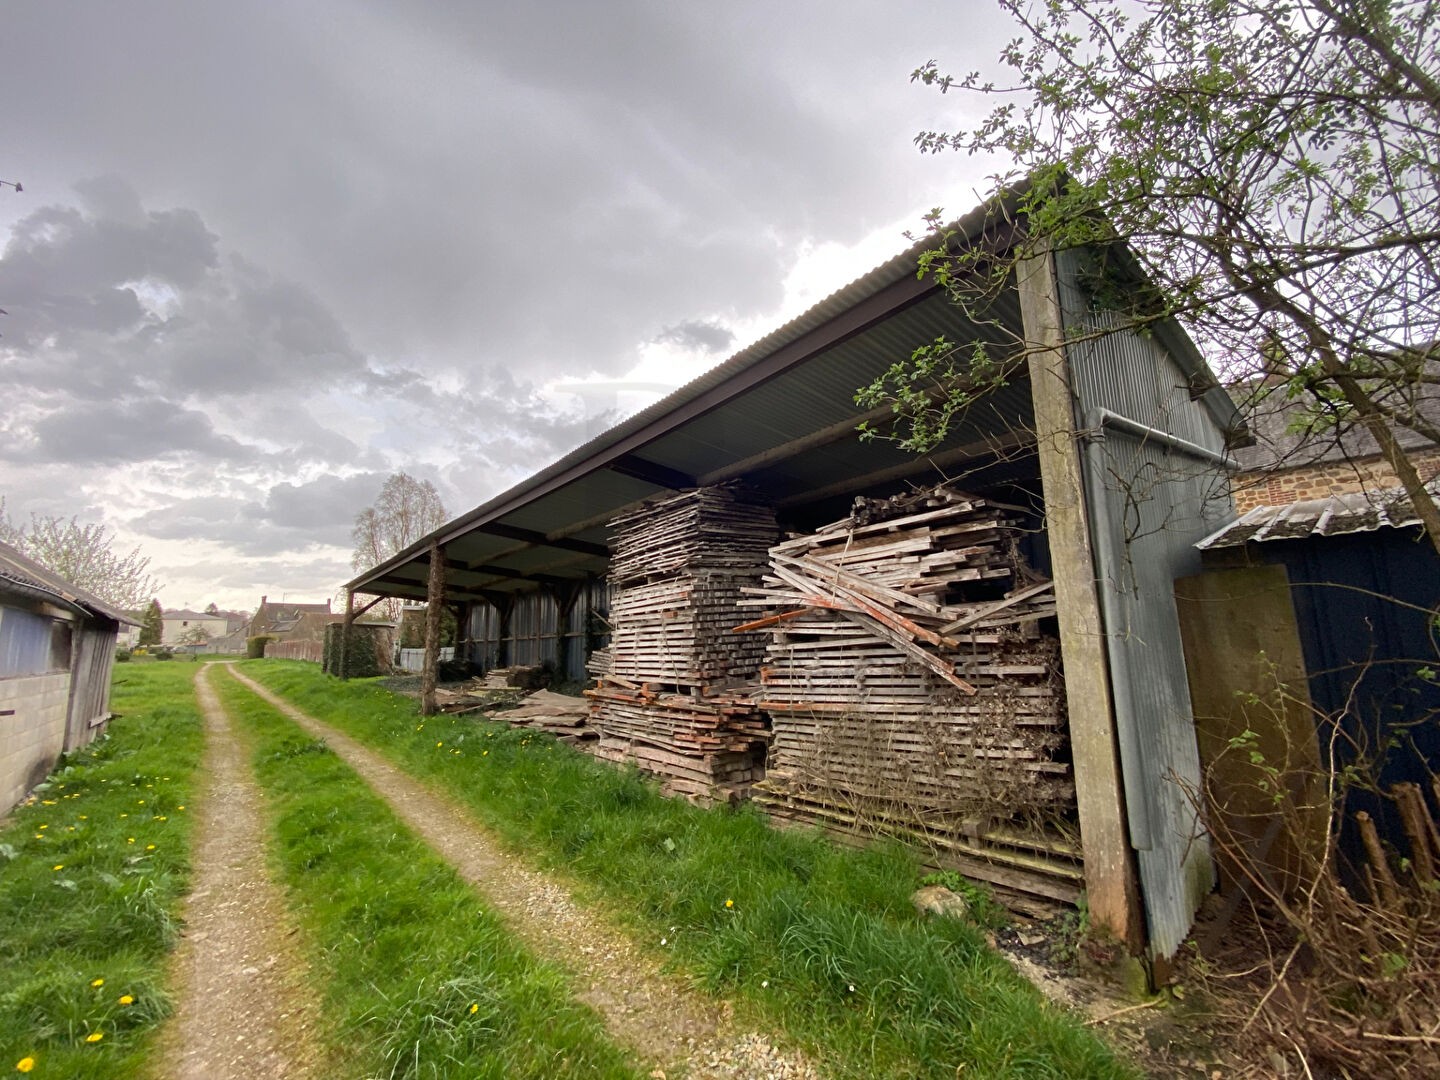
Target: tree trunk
435 603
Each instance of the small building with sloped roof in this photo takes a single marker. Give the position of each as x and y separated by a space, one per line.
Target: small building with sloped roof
57 648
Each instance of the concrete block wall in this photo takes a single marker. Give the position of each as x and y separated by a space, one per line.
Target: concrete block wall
33 734
1284 486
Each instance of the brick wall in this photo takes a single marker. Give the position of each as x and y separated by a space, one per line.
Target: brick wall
1281 487
33 735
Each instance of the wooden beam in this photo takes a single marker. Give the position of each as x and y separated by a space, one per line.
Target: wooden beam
539 539
1110 880
994 446
652 472
435 601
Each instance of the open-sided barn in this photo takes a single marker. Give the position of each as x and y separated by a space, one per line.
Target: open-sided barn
1095 469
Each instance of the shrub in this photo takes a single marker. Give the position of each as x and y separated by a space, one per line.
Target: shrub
255 646
122 655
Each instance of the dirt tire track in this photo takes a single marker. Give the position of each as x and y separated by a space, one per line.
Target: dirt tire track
245 1010
657 1015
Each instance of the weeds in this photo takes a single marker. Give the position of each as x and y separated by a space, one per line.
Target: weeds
418 978
806 936
91 874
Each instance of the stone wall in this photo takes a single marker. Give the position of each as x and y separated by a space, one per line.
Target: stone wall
1280 487
32 735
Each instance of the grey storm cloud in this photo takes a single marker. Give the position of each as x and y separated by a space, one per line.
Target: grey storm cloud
708 337
287 517
263 242
125 432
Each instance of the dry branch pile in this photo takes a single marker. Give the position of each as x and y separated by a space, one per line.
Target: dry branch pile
668 692
912 689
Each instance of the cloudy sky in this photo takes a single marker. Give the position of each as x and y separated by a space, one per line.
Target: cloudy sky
268 254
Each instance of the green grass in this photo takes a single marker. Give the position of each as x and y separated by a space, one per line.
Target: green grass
806 936
83 894
417 977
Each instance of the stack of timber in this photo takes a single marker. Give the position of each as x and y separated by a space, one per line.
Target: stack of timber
913 683
671 688
559 714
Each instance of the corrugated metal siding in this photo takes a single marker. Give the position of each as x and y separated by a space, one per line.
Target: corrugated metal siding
1149 504
24 643
1362 606
530 631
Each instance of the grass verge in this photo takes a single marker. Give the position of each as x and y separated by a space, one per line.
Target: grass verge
418 978
92 872
807 936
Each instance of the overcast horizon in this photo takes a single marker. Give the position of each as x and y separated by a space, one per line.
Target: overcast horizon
267 255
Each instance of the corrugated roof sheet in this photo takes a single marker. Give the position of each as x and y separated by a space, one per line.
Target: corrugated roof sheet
25 571
1338 515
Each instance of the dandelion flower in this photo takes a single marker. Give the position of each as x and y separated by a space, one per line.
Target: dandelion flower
439 744
149 847
58 866
127 999
84 817
179 808
97 983
729 903
124 815
140 801
25 1064
44 826
162 819
39 836
94 1036
474 1008
130 839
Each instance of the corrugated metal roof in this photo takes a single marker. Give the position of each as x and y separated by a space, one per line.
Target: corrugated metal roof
26 572
794 384
1338 515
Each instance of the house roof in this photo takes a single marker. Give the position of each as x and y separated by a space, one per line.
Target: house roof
780 413
186 613
1271 414
21 573
1338 515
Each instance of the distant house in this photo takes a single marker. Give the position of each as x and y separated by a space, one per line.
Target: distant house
1287 465
181 625
57 646
284 619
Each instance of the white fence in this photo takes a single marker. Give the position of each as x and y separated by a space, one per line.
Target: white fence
414 659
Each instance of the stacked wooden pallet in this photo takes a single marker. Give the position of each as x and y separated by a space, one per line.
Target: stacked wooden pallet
914 686
670 689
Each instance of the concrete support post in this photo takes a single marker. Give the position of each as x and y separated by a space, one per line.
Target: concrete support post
1110 880
435 604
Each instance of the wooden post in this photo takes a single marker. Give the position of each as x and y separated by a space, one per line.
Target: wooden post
461 608
435 603
343 668
1110 882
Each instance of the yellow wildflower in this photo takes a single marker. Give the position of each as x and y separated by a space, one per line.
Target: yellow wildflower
58 866
94 1036
149 847
439 744
474 1008
729 903
25 1064
44 826
97 983
126 999
130 839
179 808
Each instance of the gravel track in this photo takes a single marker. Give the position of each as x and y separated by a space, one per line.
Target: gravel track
244 1006
682 1032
